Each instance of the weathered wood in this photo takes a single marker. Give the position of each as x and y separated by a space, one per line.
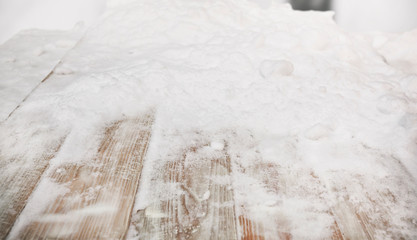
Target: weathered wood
271 218
16 187
351 225
250 230
369 209
359 222
204 206
254 229
198 199
101 195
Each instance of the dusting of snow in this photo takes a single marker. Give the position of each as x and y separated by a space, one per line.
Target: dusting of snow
26 60
290 88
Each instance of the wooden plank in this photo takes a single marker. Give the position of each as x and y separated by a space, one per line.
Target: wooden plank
197 170
351 225
101 195
250 230
364 218
255 229
367 215
203 208
260 220
22 81
15 188
27 168
368 207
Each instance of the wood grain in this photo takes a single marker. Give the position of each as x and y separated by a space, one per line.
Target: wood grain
16 188
101 195
204 208
273 218
375 207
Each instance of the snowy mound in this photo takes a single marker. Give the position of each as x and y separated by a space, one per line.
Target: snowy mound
279 72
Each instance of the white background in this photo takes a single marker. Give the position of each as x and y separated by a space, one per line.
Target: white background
16 15
356 15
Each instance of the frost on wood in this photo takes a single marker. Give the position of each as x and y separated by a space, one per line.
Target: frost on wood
373 213
28 58
17 185
200 204
277 201
325 113
101 195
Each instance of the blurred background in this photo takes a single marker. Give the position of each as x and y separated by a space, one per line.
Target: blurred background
367 15
353 15
16 15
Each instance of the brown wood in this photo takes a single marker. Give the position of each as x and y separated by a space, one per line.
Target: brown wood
357 223
249 230
205 207
203 201
16 188
101 195
281 181
369 213
336 232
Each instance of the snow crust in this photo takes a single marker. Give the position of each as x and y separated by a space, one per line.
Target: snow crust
291 87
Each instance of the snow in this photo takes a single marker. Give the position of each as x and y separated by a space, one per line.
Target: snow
277 68
44 195
26 60
18 15
291 86
402 58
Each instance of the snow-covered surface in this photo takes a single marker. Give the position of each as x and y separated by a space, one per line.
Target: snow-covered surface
26 60
292 86
18 15
399 56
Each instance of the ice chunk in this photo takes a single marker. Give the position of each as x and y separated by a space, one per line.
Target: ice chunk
317 132
206 195
276 68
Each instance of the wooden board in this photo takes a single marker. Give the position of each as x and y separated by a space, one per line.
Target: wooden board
101 195
279 180
15 188
290 195
201 203
375 206
27 168
203 207
371 214
363 207
20 79
201 194
254 229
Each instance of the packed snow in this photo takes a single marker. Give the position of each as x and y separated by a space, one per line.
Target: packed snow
288 87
